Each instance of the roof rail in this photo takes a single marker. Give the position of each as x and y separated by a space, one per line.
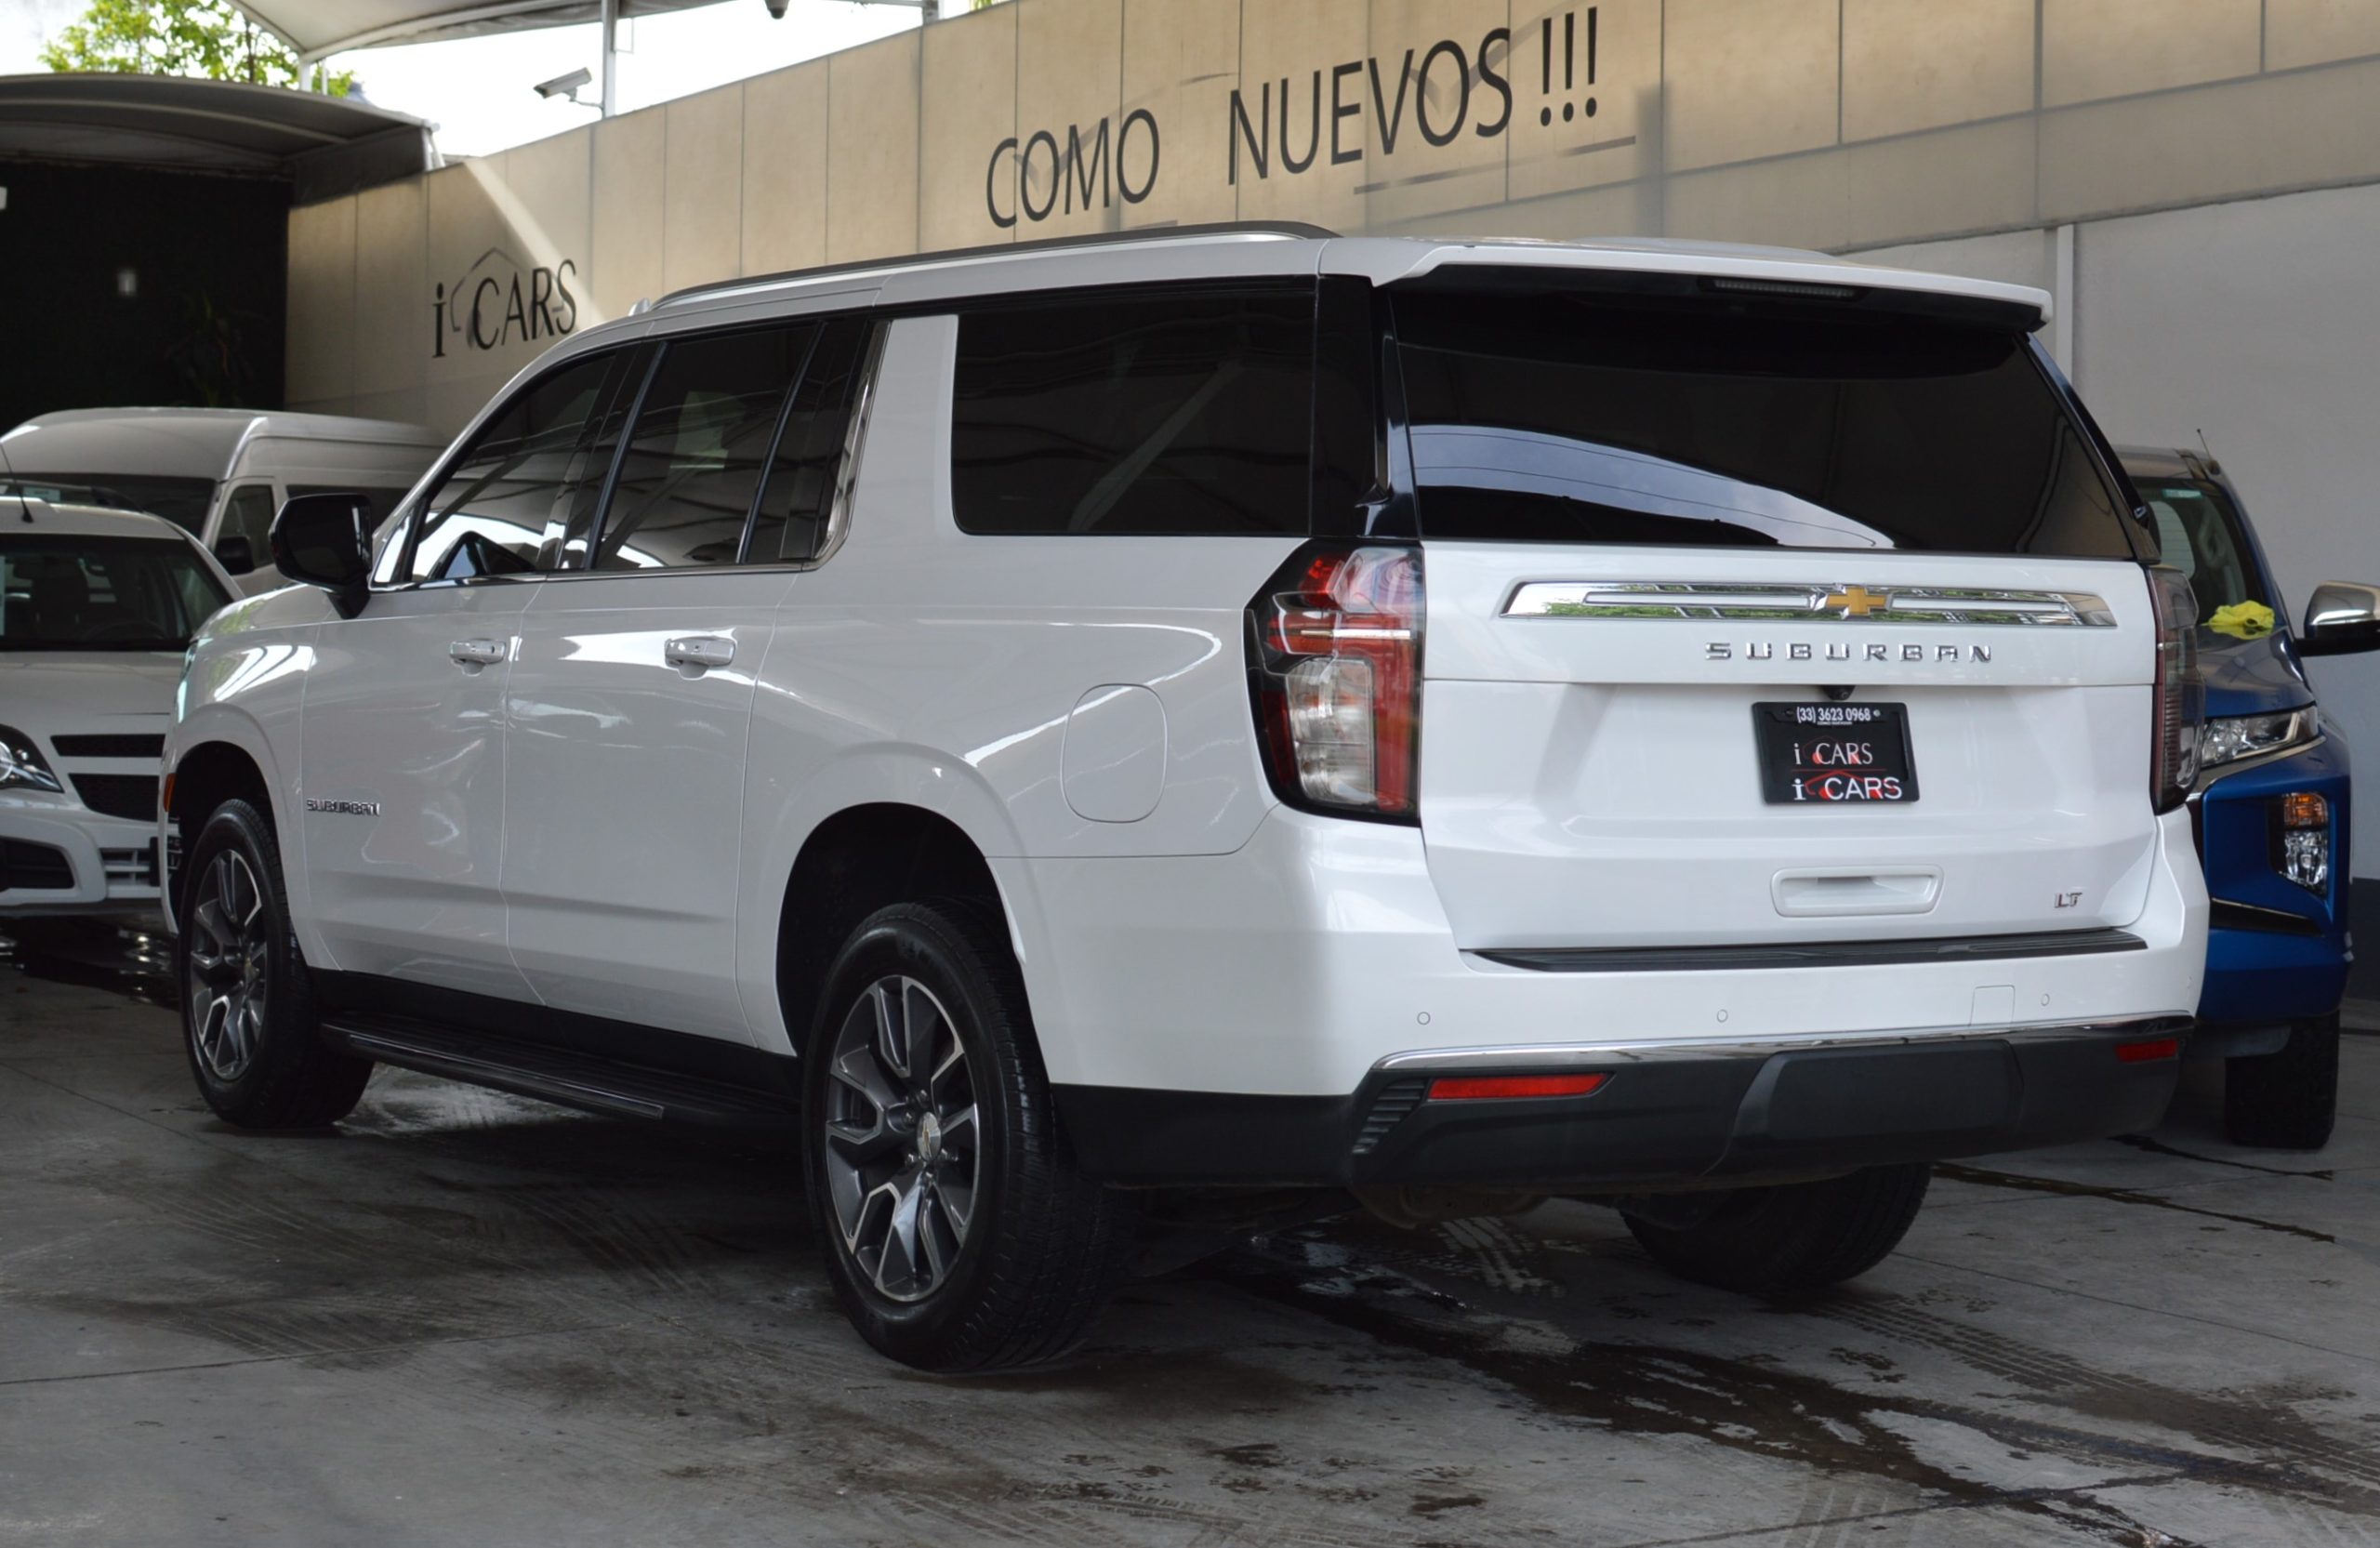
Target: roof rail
995 249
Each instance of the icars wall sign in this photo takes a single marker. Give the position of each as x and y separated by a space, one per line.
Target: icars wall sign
1437 92
500 301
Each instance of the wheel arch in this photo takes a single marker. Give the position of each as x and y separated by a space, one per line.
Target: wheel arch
858 859
221 757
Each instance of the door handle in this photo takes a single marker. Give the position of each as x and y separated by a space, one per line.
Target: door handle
698 654
479 653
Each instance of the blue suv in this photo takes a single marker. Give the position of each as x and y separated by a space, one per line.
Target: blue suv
2270 806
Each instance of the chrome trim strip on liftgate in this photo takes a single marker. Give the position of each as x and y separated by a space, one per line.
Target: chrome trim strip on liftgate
1559 1056
1796 603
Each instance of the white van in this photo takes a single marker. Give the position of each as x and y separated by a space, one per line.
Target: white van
219 474
1096 736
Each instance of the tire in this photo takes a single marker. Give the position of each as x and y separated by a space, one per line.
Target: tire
2287 1100
1011 1251
1794 1238
249 1025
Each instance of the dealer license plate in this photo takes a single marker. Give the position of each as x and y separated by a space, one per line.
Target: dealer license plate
1834 754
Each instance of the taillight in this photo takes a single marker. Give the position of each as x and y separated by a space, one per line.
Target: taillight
1336 665
2180 695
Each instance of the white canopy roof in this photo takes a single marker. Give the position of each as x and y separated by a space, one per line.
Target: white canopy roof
329 145
320 27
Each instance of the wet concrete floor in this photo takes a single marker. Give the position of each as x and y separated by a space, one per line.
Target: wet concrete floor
466 1319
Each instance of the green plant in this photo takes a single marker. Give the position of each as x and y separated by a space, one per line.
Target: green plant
211 39
210 359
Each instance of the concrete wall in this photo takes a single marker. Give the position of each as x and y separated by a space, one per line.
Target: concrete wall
1835 124
2194 179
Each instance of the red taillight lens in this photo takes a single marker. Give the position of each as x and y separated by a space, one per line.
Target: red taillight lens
1500 1087
2150 1050
2180 694
1338 678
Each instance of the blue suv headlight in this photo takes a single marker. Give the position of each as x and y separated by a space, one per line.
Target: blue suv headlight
2228 739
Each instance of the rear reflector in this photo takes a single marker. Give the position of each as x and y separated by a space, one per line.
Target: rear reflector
1478 1087
2143 1052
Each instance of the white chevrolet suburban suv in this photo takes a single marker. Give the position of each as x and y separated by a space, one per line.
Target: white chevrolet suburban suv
1104 733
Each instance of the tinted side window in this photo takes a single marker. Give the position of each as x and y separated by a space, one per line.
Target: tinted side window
1571 419
248 512
1184 413
791 522
694 462
2199 533
492 512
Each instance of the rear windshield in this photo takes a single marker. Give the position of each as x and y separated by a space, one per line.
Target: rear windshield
1568 419
180 501
68 593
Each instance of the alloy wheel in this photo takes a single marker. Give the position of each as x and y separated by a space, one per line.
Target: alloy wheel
230 940
901 1141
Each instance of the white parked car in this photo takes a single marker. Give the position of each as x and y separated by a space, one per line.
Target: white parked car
219 472
1084 728
96 609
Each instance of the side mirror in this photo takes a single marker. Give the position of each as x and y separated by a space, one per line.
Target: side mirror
325 540
2341 618
235 553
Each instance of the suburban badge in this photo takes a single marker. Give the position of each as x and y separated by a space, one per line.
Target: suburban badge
1836 650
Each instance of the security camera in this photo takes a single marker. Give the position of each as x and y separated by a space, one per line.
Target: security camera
564 85
776 9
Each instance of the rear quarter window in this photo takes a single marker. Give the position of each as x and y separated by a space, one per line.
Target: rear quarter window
1149 414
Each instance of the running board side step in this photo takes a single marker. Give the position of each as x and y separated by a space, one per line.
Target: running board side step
570 1079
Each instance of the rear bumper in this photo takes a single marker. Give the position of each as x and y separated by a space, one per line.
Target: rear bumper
1667 1114
1298 965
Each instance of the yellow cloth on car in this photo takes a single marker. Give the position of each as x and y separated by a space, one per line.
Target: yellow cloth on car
2247 620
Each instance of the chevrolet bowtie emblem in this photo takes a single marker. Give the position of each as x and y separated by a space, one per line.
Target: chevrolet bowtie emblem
1857 602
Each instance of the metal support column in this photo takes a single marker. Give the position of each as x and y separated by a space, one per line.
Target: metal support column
611 57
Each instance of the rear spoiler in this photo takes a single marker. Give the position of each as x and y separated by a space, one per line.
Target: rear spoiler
2004 307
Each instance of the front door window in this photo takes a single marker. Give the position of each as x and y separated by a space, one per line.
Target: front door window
248 515
512 504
